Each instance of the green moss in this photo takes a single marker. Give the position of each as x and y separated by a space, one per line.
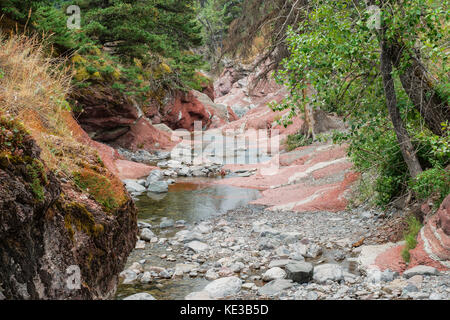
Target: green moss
36 172
77 217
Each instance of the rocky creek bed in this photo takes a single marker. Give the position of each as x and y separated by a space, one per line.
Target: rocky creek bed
250 252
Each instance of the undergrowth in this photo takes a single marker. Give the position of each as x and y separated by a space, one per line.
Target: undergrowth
410 237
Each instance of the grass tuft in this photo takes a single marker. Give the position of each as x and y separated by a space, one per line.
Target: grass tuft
414 227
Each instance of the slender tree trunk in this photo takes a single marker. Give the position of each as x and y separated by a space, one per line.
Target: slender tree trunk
308 126
406 147
419 87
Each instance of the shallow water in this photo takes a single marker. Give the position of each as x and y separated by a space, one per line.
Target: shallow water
193 200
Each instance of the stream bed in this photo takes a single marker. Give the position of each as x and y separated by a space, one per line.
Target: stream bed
190 200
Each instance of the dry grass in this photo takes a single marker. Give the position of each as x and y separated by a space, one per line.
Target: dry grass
32 82
33 89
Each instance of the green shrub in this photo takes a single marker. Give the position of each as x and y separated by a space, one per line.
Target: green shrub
294 141
410 237
435 181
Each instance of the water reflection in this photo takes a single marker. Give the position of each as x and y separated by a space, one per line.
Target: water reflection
193 201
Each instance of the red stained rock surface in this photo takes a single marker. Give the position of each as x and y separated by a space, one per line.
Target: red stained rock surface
319 183
143 135
433 246
183 110
106 113
112 160
132 170
230 75
391 259
208 89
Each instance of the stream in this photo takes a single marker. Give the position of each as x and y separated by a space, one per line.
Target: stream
190 200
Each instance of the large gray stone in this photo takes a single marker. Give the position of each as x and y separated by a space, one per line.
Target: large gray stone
133 186
166 223
128 276
328 271
154 176
420 270
300 272
280 263
224 287
158 187
197 246
146 234
275 286
185 268
188 236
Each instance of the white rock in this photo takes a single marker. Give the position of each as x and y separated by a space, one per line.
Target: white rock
133 186
328 271
136 267
211 275
185 268
368 254
158 187
197 246
273 274
280 263
200 295
249 286
154 176
420 270
237 266
140 244
203 228
146 278
129 276
313 251
166 223
224 287
146 234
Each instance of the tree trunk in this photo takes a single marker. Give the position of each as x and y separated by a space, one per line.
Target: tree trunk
406 147
308 126
419 88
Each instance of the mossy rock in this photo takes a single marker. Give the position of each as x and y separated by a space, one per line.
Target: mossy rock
78 217
105 190
16 156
